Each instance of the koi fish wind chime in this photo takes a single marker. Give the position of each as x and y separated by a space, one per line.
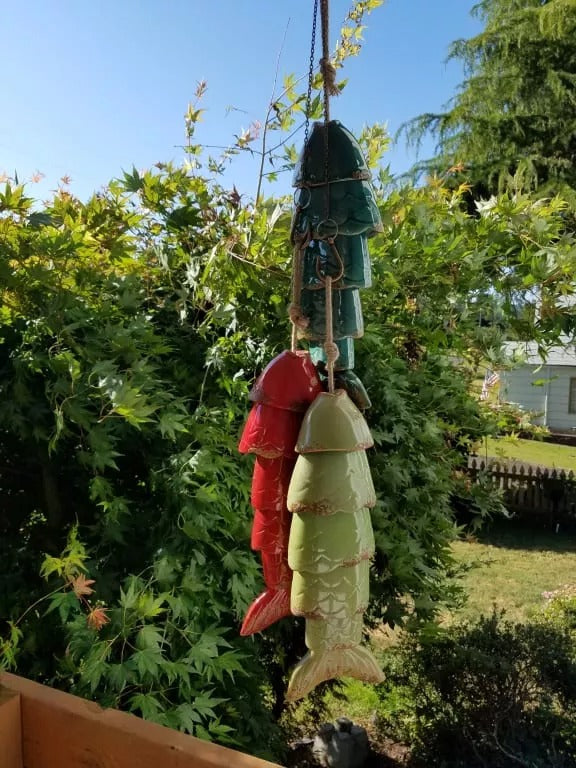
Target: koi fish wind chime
312 489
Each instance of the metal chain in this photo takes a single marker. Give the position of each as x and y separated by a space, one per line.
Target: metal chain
300 240
325 58
311 73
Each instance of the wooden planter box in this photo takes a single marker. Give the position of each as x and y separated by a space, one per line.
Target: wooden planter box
44 728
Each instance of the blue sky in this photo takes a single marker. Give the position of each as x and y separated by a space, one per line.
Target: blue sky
91 88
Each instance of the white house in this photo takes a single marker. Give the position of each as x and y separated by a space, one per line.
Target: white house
547 387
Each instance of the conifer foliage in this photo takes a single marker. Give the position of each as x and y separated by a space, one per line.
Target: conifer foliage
515 112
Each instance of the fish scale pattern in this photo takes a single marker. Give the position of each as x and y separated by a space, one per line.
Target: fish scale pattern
331 542
280 395
336 213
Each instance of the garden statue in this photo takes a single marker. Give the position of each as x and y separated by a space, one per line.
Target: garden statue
342 745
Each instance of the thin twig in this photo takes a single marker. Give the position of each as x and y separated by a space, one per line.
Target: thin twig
285 91
281 143
266 122
276 272
505 751
229 148
40 600
277 171
234 147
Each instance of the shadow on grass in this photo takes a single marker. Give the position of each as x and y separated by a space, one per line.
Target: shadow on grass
515 534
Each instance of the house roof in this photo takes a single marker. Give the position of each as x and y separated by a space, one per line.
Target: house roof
529 354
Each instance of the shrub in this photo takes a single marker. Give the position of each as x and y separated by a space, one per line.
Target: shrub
560 609
486 693
512 419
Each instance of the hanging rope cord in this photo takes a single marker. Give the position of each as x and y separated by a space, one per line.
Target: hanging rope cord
326 67
329 86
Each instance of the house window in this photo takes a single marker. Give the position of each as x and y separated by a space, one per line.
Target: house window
572 397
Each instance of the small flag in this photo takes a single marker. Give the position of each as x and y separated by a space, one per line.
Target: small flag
490 379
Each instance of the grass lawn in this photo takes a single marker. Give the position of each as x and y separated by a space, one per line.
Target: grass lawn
530 451
511 566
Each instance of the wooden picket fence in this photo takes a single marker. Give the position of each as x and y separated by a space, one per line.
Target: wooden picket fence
549 494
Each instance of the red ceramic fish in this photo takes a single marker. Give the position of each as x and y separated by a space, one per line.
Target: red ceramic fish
270 432
270 530
270 481
270 533
290 382
281 396
274 603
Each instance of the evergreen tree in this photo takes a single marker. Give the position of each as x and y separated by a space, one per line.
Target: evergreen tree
513 119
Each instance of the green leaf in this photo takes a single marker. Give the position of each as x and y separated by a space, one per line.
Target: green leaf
149 606
146 703
146 661
171 422
149 637
188 718
65 603
132 182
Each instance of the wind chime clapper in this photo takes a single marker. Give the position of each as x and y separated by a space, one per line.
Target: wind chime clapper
312 490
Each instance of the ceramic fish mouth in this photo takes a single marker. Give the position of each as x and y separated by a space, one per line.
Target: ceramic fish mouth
346 159
289 382
333 423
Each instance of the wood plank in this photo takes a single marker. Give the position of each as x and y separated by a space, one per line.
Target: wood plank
10 730
68 732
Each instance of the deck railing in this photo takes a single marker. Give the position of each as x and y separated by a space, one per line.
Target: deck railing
44 728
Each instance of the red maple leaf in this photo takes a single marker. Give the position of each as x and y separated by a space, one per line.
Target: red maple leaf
97 618
81 585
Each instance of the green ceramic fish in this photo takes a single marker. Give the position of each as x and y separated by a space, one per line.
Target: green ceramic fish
311 550
345 160
331 543
351 210
325 483
333 423
346 358
347 261
354 388
334 593
346 313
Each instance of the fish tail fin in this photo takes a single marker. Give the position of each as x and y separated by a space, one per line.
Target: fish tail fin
318 666
268 608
